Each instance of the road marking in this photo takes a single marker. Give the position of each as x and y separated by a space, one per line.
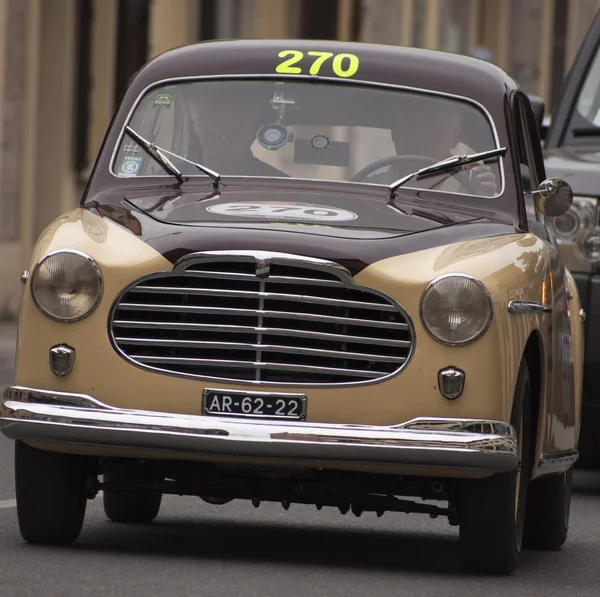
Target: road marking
8 503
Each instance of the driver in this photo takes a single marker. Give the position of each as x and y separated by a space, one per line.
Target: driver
433 128
226 118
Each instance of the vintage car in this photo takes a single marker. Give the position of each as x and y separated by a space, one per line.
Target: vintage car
307 272
572 152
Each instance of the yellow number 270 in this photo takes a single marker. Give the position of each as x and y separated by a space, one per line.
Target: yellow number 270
343 65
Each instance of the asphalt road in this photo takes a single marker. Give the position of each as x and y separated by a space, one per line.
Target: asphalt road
236 550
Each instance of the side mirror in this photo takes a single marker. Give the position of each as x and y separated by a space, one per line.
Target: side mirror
553 197
539 108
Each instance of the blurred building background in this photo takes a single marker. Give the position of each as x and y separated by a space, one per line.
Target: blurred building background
64 63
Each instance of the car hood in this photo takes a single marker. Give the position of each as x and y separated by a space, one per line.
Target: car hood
332 214
353 228
578 165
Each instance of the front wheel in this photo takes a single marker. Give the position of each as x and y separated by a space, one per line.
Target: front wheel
51 498
548 509
492 510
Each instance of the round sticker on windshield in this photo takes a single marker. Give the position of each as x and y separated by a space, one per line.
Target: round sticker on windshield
283 211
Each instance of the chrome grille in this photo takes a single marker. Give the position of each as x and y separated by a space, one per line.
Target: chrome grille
305 324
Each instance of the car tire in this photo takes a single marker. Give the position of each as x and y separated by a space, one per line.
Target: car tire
548 509
492 510
137 506
50 491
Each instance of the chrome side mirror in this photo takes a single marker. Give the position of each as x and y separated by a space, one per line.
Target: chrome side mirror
553 197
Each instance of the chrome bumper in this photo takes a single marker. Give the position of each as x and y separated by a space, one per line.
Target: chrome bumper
468 445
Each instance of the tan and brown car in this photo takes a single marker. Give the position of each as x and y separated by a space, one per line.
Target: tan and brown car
307 272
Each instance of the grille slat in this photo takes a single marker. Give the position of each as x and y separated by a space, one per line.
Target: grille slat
272 279
203 327
254 347
264 313
305 324
258 365
265 295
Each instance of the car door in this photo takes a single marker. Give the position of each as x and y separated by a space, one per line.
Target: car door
557 391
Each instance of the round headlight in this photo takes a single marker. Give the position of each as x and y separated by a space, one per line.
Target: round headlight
456 309
567 225
588 245
582 214
66 285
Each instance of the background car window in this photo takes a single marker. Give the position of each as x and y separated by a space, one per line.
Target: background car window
588 104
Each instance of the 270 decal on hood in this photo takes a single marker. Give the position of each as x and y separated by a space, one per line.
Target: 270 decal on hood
283 210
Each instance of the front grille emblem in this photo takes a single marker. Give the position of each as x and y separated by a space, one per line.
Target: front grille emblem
263 268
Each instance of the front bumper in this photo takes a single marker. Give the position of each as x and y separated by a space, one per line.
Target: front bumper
474 445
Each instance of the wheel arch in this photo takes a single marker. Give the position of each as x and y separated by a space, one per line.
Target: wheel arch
533 354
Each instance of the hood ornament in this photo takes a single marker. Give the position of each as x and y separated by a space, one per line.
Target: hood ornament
262 268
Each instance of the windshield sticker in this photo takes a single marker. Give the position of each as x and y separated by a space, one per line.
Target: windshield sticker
162 100
131 147
342 65
130 165
283 210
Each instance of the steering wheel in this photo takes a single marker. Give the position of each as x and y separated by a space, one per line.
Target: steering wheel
413 162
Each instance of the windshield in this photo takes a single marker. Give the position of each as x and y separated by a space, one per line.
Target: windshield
311 130
587 109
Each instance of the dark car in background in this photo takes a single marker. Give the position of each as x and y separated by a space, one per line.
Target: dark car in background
572 152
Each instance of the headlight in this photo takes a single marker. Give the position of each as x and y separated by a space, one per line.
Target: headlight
456 309
581 215
588 245
66 285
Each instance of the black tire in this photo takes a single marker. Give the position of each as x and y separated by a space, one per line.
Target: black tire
490 531
51 498
548 509
137 506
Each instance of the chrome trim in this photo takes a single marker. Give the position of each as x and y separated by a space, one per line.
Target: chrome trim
236 329
255 347
475 445
582 315
257 365
24 277
297 298
311 79
527 307
457 275
98 294
277 279
446 378
265 313
331 267
339 276
557 462
62 352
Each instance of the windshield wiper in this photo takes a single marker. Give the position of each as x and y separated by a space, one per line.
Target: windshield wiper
446 165
158 153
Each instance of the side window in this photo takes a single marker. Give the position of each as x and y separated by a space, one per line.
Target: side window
528 170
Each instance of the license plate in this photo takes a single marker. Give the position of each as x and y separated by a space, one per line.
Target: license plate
254 405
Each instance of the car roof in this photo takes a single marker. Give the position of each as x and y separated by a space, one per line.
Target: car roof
435 71
396 65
